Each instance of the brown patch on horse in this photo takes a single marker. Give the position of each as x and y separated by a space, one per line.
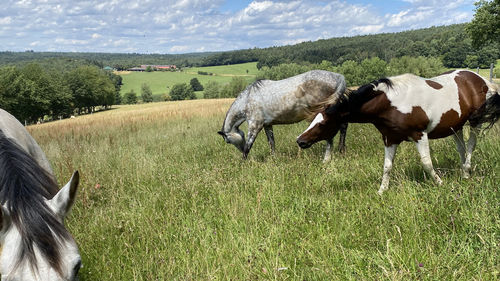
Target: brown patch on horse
394 125
447 72
434 84
472 91
450 123
471 96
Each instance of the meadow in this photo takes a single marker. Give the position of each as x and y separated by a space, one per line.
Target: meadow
162 197
161 82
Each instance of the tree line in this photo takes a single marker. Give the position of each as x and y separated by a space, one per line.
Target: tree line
360 73
451 44
457 46
32 93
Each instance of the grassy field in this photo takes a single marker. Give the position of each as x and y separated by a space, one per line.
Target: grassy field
161 82
162 197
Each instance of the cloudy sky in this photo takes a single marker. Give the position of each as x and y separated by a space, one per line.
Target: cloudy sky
182 26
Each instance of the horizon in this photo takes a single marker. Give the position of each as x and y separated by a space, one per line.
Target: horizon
214 52
201 26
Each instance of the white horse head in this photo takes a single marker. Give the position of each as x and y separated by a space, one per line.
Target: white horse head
27 254
235 137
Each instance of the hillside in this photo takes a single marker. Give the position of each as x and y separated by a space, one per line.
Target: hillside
450 43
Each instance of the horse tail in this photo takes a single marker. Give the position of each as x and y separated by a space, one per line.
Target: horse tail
488 113
312 110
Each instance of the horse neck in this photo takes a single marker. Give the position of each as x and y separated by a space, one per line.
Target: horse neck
235 115
363 110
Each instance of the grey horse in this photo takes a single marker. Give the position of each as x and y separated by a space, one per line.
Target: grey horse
266 103
13 129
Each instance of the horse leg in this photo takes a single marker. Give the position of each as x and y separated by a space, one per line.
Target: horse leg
390 152
458 137
253 131
471 145
425 157
343 132
270 136
328 151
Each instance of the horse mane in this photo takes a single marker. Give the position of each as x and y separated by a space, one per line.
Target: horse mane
255 86
24 186
354 99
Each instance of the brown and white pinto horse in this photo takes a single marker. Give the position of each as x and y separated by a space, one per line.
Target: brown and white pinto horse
411 108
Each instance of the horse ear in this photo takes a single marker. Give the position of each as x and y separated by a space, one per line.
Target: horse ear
61 203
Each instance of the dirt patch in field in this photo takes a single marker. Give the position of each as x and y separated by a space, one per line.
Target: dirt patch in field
122 72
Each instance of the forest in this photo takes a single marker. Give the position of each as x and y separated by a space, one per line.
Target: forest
451 44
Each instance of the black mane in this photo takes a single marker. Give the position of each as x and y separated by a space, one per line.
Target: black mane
353 100
24 186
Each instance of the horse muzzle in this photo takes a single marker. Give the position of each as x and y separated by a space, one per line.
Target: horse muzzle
303 144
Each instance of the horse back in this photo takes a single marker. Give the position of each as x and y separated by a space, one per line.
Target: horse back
295 99
13 129
438 106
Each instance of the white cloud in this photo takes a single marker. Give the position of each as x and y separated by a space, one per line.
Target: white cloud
367 29
177 26
5 20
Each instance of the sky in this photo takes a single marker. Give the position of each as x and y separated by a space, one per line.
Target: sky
186 26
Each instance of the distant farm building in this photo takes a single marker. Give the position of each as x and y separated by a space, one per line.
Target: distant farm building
153 67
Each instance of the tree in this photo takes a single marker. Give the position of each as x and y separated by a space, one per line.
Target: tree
182 91
282 71
372 69
211 90
485 26
130 97
90 87
196 85
472 61
118 98
51 95
146 93
421 66
352 73
234 88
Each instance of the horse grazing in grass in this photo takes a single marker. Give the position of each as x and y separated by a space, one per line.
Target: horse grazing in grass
266 103
35 245
410 108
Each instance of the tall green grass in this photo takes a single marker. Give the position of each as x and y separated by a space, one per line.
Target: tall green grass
175 202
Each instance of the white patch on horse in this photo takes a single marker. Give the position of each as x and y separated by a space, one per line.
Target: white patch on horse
318 119
411 91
